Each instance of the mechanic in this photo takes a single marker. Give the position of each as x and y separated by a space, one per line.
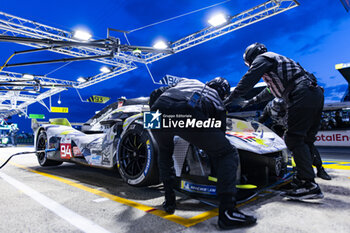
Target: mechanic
286 79
13 134
276 111
179 99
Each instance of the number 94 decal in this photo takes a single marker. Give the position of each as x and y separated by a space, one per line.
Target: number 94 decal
66 148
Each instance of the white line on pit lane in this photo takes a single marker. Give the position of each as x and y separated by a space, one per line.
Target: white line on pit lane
101 199
73 218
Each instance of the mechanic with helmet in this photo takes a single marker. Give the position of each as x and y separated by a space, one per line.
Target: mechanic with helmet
286 79
201 101
276 111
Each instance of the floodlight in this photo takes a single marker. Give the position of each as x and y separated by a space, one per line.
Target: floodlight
217 20
160 45
81 35
59 99
81 79
29 76
105 69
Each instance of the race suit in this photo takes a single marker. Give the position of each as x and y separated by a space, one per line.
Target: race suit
174 100
304 98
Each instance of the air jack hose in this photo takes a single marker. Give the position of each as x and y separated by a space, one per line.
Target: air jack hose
27 152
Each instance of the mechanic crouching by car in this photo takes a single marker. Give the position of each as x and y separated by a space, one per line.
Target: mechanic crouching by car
286 79
201 101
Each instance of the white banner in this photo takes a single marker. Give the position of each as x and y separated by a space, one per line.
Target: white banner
333 138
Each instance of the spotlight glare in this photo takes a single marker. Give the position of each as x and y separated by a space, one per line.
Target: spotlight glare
217 20
81 79
30 76
82 35
105 69
160 45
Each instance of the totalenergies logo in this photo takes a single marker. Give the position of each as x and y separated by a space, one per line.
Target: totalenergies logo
333 138
248 138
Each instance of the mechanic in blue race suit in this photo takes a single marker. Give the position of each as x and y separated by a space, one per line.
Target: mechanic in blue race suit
275 112
286 79
180 99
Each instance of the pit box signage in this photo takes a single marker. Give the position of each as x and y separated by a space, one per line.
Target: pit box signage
98 99
59 109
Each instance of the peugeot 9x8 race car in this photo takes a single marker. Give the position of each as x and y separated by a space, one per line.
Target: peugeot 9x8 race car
115 137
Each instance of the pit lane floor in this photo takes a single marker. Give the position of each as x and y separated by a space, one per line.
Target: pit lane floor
73 198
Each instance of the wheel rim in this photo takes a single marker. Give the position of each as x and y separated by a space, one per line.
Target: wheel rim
133 154
41 146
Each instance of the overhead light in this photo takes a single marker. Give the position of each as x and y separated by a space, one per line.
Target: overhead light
217 20
81 79
136 52
59 99
33 92
105 69
82 35
160 45
30 76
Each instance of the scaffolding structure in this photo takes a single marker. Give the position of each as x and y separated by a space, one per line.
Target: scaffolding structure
121 58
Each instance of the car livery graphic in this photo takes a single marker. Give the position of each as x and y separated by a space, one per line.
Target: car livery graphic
116 137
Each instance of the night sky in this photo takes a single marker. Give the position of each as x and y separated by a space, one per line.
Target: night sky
316 34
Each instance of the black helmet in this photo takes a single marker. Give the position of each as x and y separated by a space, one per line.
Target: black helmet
278 105
221 85
252 51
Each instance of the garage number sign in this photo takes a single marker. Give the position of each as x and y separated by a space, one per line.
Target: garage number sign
59 109
98 99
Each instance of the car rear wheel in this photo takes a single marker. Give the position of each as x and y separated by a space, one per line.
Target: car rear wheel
41 145
137 158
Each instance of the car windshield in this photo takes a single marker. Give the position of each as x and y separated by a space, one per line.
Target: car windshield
122 115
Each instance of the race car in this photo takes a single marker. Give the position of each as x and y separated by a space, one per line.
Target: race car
116 138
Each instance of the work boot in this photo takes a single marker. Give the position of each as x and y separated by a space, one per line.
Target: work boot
233 218
305 190
323 174
169 205
229 216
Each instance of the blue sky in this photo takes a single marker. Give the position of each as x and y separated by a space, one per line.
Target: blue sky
315 34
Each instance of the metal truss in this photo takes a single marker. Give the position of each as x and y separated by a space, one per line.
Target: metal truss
15 26
246 18
13 101
6 76
20 102
121 58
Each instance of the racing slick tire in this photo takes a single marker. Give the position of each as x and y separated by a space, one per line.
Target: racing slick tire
42 144
136 157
